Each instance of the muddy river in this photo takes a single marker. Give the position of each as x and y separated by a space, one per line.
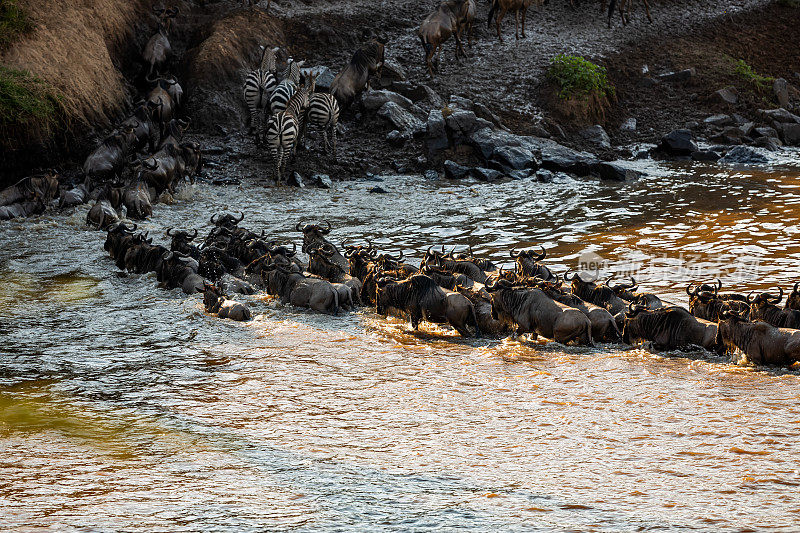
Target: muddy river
125 407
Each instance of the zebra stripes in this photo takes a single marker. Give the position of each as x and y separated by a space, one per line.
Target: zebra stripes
259 85
323 113
285 129
286 88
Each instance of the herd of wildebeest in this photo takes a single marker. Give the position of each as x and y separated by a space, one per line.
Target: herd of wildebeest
467 292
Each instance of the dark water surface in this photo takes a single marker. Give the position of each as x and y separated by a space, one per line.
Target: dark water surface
123 406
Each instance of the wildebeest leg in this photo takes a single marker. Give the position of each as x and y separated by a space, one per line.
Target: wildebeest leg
611 11
524 13
459 46
498 18
516 24
647 8
622 6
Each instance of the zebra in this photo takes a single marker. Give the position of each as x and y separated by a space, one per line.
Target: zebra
323 112
259 85
285 130
286 88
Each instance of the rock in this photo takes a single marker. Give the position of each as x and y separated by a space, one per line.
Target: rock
765 131
324 78
681 75
373 100
481 111
518 174
400 118
377 190
431 175
226 181
705 155
781 90
728 95
397 138
539 131
410 90
487 141
779 115
691 125
544 176
463 124
678 142
719 120
460 102
515 157
486 174
772 144
392 71
454 171
558 157
744 155
296 180
75 196
617 172
739 119
597 136
747 128
323 181
628 125
791 134
436 133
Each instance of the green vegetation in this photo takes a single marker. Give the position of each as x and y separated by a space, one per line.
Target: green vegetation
746 72
27 103
577 77
13 22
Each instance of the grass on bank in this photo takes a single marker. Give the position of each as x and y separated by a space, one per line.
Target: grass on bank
762 84
14 22
27 104
582 87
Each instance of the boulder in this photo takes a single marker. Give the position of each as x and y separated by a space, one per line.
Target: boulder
454 171
518 174
296 180
765 131
431 175
744 155
544 176
374 100
392 71
436 133
75 196
460 102
779 115
400 118
324 78
515 157
487 141
772 144
410 90
719 120
397 138
628 125
791 134
780 88
486 174
323 181
705 155
597 136
377 190
678 142
728 95
558 157
681 75
617 172
481 111
463 124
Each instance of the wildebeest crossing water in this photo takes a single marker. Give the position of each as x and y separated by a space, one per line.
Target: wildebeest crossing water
126 404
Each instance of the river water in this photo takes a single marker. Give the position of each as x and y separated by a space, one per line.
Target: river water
125 407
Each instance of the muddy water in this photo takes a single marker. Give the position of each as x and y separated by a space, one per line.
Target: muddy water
125 407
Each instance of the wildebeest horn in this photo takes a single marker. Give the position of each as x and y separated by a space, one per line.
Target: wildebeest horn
168 232
400 257
749 300
541 256
513 255
241 217
212 218
778 299
795 286
719 286
167 256
131 230
194 235
326 231
149 166
294 249
569 279
297 226
690 292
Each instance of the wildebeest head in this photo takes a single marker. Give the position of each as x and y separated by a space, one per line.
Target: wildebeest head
623 290
793 300
765 299
313 234
227 220
212 297
729 333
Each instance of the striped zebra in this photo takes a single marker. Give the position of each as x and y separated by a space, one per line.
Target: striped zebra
259 85
323 113
286 88
284 130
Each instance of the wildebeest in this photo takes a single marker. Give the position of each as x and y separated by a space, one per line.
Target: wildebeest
28 196
161 101
528 264
599 295
764 307
297 289
108 159
314 236
217 303
439 26
625 11
366 61
421 298
668 328
157 51
322 265
136 196
793 300
178 270
759 342
144 127
534 312
604 326
460 266
182 242
501 7
102 215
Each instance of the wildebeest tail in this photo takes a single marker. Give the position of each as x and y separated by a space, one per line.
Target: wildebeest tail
335 303
494 8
